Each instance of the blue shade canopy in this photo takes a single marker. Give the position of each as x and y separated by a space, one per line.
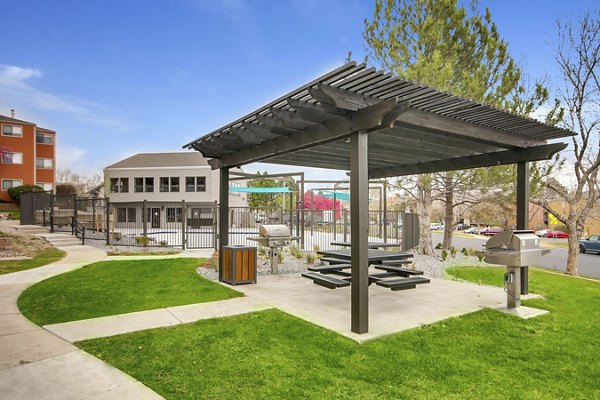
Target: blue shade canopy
343 196
282 189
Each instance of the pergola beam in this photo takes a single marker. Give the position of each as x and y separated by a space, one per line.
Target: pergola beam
422 119
504 157
368 118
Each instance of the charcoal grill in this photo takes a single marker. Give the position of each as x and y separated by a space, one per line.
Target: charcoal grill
274 237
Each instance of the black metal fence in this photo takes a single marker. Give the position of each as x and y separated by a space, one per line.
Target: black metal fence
193 225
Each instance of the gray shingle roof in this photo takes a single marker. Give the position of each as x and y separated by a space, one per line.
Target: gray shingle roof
157 160
4 118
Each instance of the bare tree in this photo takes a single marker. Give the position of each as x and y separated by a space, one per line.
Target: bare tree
82 183
578 56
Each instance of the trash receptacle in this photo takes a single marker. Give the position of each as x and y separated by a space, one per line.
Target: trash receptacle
239 264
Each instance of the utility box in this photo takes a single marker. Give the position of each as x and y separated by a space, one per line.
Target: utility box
239 265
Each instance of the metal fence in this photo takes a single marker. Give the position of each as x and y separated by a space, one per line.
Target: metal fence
193 225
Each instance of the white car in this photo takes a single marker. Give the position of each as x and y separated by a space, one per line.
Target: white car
542 233
472 229
437 227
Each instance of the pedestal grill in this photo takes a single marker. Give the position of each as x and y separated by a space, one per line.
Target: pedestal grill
274 237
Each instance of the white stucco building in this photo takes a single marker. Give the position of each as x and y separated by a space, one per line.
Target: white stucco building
161 178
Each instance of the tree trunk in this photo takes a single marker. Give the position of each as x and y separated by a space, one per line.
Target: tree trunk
424 211
573 252
448 211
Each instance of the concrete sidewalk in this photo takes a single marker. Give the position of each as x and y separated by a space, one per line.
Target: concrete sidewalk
124 323
36 364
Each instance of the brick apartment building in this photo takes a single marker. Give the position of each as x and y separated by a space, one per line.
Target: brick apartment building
28 155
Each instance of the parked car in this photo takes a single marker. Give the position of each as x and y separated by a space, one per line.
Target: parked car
437 226
490 231
590 244
557 234
462 227
542 233
472 229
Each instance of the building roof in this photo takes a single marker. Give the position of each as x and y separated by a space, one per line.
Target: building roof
159 160
44 130
4 118
412 128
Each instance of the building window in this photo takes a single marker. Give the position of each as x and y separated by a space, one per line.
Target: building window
138 186
126 214
173 214
195 184
164 184
12 158
119 185
149 185
169 184
144 185
46 186
11 183
45 163
42 138
12 130
131 214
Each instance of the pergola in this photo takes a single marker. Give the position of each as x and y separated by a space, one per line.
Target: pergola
376 125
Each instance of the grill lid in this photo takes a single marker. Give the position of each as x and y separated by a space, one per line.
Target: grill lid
274 231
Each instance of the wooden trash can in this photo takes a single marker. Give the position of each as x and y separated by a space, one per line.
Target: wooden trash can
239 264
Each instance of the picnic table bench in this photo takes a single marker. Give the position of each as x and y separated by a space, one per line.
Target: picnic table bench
395 276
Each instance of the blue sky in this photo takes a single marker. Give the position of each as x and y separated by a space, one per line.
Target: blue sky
115 78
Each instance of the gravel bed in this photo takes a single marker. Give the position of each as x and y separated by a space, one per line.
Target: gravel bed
432 266
131 250
19 244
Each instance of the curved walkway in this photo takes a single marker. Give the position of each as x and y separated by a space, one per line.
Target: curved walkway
36 364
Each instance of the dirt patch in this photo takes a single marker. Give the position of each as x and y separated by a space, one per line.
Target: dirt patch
17 244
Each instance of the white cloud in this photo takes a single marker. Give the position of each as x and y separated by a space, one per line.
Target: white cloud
17 91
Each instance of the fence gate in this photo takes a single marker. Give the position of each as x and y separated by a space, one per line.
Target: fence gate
200 224
35 208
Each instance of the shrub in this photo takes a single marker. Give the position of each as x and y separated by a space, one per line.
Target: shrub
116 236
444 255
163 243
316 248
480 256
453 251
295 251
143 241
438 246
262 251
310 258
280 256
15 192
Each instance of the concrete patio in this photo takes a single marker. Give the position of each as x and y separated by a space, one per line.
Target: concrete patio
389 312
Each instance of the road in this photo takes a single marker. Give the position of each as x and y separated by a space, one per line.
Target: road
589 264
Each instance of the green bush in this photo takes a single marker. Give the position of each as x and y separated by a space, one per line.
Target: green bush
453 251
295 251
444 255
143 241
438 246
310 258
15 192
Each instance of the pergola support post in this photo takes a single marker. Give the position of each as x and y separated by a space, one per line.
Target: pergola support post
359 211
223 216
523 213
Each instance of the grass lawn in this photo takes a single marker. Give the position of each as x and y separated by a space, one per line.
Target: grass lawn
44 257
117 287
484 355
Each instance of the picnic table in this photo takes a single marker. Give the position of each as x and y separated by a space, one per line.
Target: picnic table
336 274
375 256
